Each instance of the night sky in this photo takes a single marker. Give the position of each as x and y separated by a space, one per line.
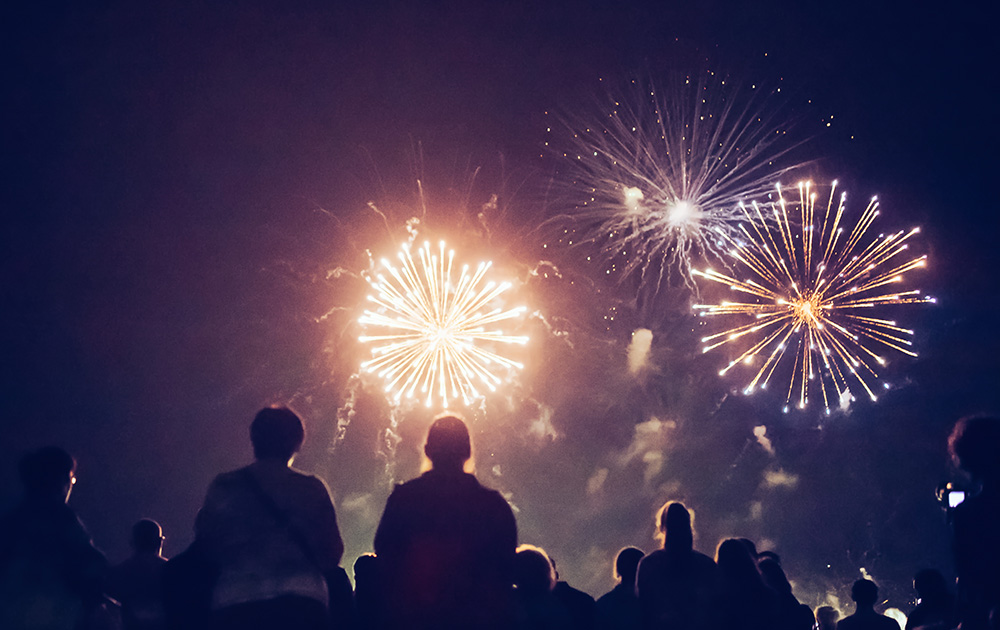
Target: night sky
185 194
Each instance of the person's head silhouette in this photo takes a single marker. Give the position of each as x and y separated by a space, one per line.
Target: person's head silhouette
147 537
627 564
533 570
826 618
675 527
864 593
448 444
48 474
276 434
973 445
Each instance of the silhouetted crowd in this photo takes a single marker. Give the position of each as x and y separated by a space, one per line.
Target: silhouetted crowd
267 554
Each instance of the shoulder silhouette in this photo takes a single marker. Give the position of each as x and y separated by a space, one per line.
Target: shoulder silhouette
445 544
272 534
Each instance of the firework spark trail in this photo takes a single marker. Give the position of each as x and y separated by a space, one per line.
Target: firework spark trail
809 281
656 181
434 328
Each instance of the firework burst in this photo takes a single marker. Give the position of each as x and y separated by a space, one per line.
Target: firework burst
434 327
655 181
810 279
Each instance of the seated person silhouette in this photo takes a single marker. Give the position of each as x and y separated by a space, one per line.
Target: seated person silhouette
865 594
50 572
137 582
272 532
445 544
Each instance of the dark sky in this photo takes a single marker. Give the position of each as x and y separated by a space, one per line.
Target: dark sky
178 180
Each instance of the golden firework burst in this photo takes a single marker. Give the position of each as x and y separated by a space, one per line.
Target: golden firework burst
811 282
436 328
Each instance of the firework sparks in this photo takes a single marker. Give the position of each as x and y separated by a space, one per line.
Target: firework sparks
656 181
434 328
810 283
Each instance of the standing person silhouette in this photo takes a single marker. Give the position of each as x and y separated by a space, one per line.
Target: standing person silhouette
273 534
677 585
973 445
865 594
50 572
619 608
446 544
137 582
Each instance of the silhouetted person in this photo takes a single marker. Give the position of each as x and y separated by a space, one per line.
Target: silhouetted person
188 579
446 544
272 531
791 614
745 601
865 594
581 606
974 445
137 582
935 605
826 618
676 585
50 572
368 591
619 607
537 607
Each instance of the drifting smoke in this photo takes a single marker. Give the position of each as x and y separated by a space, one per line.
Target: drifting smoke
780 479
845 401
760 432
596 482
541 427
638 350
649 445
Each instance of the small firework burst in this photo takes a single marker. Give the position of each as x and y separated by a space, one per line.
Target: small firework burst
813 285
654 181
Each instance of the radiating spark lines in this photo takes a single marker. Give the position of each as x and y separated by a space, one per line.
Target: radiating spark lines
810 281
655 180
434 328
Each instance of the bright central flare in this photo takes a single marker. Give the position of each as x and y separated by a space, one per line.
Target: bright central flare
434 328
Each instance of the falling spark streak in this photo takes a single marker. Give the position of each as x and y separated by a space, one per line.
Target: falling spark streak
657 180
810 280
433 327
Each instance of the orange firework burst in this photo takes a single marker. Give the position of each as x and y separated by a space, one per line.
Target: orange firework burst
435 328
810 283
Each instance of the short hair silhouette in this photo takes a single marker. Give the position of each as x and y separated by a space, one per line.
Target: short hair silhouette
826 617
147 535
627 564
864 592
448 443
46 471
276 433
973 446
533 570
